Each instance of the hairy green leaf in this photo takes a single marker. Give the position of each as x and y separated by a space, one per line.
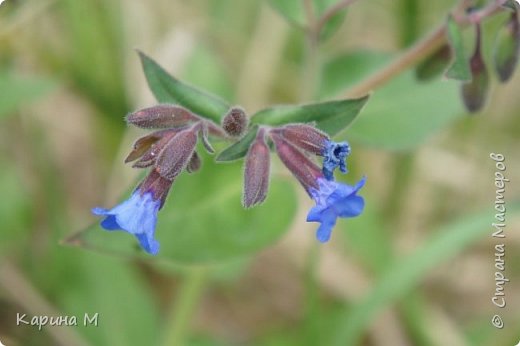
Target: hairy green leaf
331 117
168 89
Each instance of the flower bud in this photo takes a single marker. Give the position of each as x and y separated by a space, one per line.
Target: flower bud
235 122
157 185
306 171
256 172
474 93
161 116
176 154
194 164
304 137
507 48
147 148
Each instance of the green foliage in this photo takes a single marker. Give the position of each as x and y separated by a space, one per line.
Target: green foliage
459 68
405 273
434 65
331 117
17 91
294 12
168 89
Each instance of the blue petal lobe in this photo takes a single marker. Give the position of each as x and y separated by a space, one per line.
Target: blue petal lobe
327 223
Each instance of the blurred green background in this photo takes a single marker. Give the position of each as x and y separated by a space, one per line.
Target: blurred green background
416 268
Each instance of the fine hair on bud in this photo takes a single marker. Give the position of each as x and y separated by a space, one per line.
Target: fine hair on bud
176 154
235 122
256 171
161 116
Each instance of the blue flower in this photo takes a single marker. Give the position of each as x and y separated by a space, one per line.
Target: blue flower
137 215
334 200
334 156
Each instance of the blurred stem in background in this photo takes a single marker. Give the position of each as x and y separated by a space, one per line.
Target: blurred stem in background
186 302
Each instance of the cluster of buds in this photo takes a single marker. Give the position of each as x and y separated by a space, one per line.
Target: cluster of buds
167 152
171 149
294 143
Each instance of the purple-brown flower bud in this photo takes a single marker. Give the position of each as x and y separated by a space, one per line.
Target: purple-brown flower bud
304 137
176 154
147 148
157 185
235 122
306 171
256 172
474 93
161 116
194 164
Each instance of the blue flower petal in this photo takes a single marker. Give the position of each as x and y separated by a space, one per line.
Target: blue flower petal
327 223
334 200
137 215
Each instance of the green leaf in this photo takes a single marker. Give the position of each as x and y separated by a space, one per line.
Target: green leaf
18 91
406 273
238 149
403 113
294 12
331 117
459 68
203 220
168 89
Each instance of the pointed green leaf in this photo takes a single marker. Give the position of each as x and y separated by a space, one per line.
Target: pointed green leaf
331 117
459 68
203 220
507 48
168 89
238 149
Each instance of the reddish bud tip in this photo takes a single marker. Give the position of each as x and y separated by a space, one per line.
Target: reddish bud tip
175 155
157 185
306 171
235 122
256 172
161 116
148 148
304 137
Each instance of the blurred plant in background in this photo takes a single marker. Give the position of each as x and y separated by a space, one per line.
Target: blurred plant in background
416 268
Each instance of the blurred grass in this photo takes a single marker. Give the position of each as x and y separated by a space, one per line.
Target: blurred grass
76 55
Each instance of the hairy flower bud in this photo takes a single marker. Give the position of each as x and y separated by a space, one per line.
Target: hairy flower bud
161 116
194 164
235 122
175 155
147 148
256 172
306 171
474 93
304 137
507 48
157 185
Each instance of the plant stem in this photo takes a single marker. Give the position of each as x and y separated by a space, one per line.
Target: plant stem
420 50
184 307
329 14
